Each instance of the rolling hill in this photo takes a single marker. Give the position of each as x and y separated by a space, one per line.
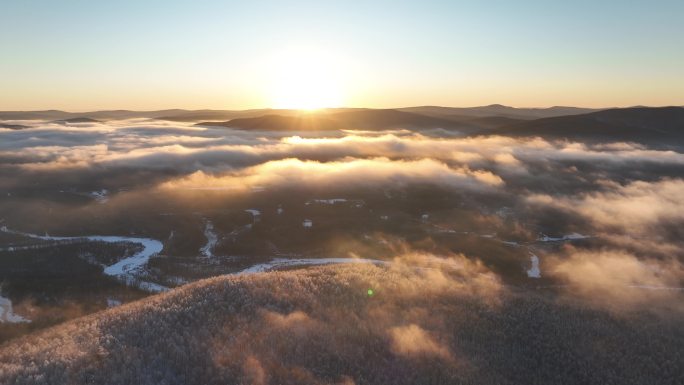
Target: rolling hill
13 126
498 110
450 113
350 325
663 125
99 115
272 122
366 119
81 119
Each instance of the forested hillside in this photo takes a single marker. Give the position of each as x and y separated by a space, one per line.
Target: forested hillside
361 324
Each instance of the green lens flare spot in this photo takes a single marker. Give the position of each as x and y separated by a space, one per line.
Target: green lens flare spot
370 292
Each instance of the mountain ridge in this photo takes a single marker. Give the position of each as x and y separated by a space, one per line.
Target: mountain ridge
321 325
620 124
210 114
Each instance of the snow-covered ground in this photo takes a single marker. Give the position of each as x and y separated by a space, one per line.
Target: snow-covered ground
212 240
113 302
123 269
147 286
255 213
569 237
7 314
101 196
175 280
333 201
326 201
279 263
534 271
128 265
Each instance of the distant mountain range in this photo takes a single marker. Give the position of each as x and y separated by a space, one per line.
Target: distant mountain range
172 114
640 124
660 124
77 120
468 120
365 119
498 110
648 124
13 126
216 115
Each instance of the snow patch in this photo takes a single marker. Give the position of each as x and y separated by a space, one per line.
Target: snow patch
149 287
212 240
256 214
504 212
113 302
569 237
333 201
128 265
7 314
101 196
176 280
326 201
123 269
534 271
280 263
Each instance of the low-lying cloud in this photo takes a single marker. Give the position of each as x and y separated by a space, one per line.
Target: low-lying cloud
414 341
619 280
345 173
628 196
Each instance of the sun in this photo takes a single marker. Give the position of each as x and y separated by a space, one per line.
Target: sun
306 79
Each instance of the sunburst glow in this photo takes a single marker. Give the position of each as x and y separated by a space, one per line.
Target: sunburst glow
306 79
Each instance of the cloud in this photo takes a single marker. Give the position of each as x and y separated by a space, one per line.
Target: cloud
296 323
253 372
346 173
412 341
627 194
157 136
637 204
430 274
619 280
639 208
639 260
170 149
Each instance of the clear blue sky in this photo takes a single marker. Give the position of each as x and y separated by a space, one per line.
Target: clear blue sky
81 55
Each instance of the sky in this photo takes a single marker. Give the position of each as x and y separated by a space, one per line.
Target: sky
144 55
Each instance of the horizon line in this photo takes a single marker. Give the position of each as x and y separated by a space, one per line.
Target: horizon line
338 108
